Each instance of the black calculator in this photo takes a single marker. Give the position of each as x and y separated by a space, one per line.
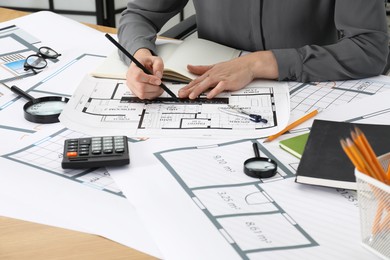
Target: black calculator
94 152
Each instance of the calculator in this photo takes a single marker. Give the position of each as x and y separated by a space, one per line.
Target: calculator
94 152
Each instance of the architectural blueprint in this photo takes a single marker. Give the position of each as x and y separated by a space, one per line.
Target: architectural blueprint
15 46
306 97
102 106
46 155
188 196
59 82
111 106
272 218
34 187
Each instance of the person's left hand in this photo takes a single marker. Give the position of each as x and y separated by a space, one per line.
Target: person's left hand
230 75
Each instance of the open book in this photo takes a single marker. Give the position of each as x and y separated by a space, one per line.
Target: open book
176 57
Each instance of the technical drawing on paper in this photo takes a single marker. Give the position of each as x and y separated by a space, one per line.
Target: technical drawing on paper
306 97
102 105
61 82
379 116
248 217
16 45
46 155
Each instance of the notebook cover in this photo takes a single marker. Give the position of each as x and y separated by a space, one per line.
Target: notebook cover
324 162
295 145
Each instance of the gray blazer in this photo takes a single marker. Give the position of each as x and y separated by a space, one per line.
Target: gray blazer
312 40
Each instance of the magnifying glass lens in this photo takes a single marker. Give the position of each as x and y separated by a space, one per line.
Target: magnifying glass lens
258 165
46 108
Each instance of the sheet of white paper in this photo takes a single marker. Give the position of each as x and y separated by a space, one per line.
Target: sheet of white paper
371 110
30 170
106 106
200 193
87 200
306 97
73 35
208 208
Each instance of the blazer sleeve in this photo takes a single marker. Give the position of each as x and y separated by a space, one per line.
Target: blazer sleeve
360 52
142 20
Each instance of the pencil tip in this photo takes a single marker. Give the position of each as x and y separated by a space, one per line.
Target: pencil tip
266 140
357 130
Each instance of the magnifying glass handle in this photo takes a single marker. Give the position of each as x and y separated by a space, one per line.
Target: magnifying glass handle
20 92
256 149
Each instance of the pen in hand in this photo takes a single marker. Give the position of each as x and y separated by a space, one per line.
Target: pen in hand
139 65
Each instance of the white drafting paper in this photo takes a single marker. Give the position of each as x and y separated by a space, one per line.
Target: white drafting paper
72 35
306 97
86 200
106 106
16 45
204 195
371 110
60 78
198 204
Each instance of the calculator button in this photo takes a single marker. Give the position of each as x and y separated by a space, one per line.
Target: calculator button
84 141
83 152
96 151
119 150
106 151
71 154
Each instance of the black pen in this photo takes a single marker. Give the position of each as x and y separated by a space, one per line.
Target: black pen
139 65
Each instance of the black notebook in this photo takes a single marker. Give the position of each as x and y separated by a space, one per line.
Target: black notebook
324 162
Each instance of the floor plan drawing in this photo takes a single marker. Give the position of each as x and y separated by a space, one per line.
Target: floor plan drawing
16 45
60 82
236 204
106 104
306 97
46 155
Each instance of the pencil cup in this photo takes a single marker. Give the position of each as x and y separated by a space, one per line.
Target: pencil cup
374 206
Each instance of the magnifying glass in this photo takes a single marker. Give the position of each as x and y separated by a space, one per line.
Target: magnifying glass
259 167
44 110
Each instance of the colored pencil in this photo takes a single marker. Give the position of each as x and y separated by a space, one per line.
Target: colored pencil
292 125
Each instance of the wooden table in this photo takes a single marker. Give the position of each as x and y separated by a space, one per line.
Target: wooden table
26 240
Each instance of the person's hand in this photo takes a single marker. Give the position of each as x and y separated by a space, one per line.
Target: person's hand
231 75
141 84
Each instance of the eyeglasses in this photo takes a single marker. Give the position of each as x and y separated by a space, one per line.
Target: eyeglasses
38 61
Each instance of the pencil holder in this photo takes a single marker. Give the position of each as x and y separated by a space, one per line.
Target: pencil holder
374 207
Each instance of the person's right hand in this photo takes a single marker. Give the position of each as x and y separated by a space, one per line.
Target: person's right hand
141 84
